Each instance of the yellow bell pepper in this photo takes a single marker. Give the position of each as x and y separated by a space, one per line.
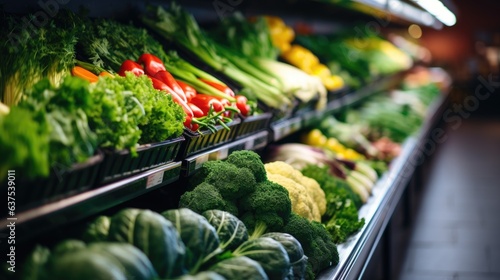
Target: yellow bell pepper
281 34
321 70
351 154
316 138
300 57
333 82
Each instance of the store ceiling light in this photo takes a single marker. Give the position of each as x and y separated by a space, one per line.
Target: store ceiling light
439 10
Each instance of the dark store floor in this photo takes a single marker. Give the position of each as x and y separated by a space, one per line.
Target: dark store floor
457 231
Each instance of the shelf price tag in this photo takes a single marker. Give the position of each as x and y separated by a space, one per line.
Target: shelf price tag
249 145
259 142
154 179
200 160
294 126
219 154
286 128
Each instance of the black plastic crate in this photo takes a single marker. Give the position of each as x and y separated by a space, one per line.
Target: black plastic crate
278 115
197 142
121 164
252 124
336 94
61 183
304 107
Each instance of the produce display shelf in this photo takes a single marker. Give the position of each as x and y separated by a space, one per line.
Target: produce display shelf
353 252
252 142
42 219
357 250
284 128
371 13
374 87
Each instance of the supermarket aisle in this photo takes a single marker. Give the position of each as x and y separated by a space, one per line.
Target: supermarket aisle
456 233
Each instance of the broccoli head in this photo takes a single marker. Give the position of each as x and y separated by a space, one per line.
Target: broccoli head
267 208
345 222
324 243
201 173
300 228
231 181
317 243
250 160
206 197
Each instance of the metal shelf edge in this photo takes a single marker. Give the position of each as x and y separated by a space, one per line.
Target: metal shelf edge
251 142
386 193
53 213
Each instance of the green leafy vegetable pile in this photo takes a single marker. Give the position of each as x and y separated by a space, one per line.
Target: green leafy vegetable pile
71 139
396 116
107 43
252 38
31 54
341 217
128 110
359 57
48 129
29 153
55 127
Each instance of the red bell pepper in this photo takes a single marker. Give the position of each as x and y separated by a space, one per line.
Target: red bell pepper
204 102
132 66
152 64
159 85
188 123
224 88
224 102
197 112
189 91
241 104
170 81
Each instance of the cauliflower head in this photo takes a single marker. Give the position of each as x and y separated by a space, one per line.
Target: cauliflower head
302 202
310 197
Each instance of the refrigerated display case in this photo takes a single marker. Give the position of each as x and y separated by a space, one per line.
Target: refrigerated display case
137 185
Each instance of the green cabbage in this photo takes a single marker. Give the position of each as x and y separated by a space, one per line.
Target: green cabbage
198 235
204 275
154 235
230 230
73 260
97 230
240 268
269 253
298 260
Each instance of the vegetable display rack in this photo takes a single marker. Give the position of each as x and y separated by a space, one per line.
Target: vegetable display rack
61 183
120 164
198 142
253 124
